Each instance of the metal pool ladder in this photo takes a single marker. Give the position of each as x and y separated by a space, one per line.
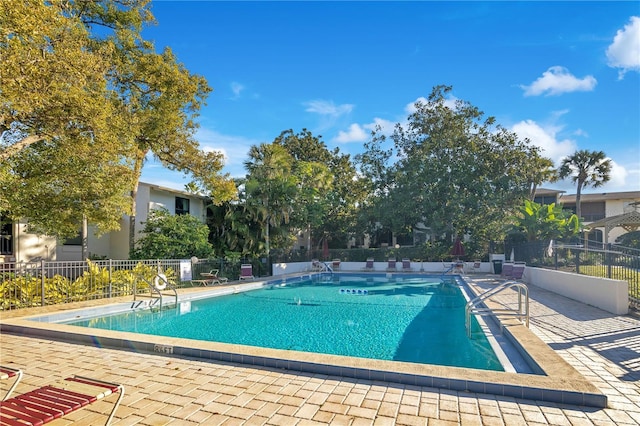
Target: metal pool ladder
156 294
476 305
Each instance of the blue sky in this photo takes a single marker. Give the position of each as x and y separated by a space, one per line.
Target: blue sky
566 75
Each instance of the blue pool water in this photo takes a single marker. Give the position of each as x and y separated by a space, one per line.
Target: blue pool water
413 319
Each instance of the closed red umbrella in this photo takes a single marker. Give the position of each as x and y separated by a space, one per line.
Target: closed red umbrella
458 248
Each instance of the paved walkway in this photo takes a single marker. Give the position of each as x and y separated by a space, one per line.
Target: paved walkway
162 390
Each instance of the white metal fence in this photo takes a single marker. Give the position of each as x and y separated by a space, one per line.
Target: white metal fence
28 284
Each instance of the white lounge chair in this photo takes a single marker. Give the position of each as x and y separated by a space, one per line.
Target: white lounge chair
10 373
210 277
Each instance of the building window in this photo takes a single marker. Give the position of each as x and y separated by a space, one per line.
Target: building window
592 211
6 235
545 199
182 205
74 241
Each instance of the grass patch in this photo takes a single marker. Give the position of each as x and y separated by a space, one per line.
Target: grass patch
632 276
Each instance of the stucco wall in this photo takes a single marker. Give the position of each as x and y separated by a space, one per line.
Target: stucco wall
29 247
429 267
609 295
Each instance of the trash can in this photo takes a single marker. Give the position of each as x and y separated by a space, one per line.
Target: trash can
497 266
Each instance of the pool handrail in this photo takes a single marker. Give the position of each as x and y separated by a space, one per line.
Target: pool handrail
476 305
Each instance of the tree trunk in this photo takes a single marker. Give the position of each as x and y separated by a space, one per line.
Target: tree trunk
84 236
132 220
578 207
137 171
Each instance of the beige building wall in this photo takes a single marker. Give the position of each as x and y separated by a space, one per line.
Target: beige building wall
31 247
114 245
616 203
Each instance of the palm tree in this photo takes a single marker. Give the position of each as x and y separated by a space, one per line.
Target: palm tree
270 187
586 168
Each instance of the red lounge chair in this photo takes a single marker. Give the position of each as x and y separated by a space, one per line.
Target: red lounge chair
391 265
507 270
518 270
406 265
51 402
9 373
246 271
368 266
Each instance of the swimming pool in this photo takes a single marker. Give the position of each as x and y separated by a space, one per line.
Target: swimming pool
403 318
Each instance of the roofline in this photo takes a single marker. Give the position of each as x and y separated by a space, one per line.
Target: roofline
625 195
173 190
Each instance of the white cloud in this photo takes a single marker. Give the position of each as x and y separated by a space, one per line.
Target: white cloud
624 52
618 175
355 134
385 126
328 108
237 89
361 132
557 80
581 132
546 139
234 149
410 108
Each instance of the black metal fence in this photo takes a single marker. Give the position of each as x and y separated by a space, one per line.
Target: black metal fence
614 262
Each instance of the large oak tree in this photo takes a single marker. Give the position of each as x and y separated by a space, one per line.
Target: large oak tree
78 73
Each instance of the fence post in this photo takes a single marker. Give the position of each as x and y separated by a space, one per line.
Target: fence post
135 286
110 286
578 261
42 280
607 259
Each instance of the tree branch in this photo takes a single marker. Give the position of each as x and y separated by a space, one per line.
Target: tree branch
19 146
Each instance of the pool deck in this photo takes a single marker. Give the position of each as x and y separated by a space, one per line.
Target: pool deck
603 348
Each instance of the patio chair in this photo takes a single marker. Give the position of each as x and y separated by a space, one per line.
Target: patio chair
335 264
10 373
316 266
406 265
518 270
246 271
368 266
211 277
507 270
391 265
45 404
476 265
